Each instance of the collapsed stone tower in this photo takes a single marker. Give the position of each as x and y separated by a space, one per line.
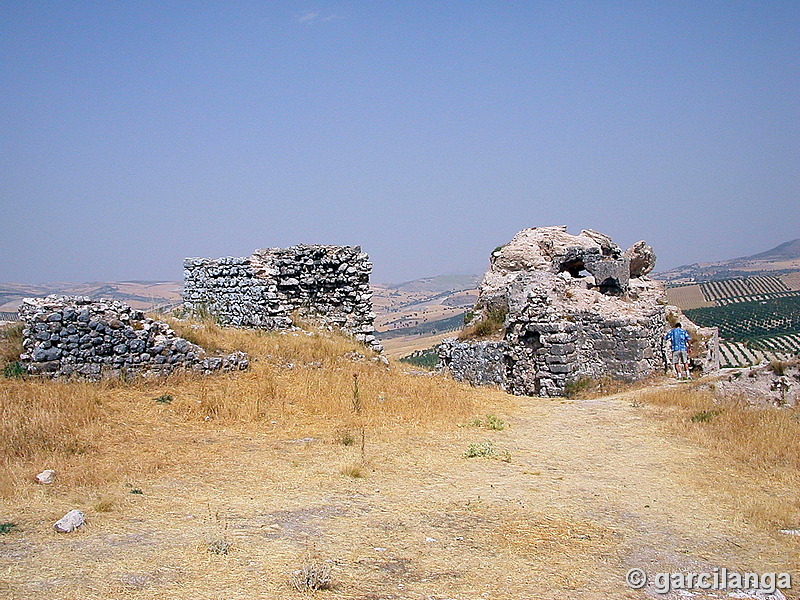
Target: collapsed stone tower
327 283
568 307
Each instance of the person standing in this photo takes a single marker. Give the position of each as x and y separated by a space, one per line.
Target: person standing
679 341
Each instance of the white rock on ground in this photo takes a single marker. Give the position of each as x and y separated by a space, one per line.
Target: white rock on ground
46 476
69 522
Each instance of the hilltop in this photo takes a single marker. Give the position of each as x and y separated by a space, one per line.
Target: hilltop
417 314
236 485
781 260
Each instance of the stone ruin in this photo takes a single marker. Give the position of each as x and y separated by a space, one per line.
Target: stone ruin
329 284
75 336
572 307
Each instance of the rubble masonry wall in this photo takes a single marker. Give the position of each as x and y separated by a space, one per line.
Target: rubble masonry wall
329 283
75 336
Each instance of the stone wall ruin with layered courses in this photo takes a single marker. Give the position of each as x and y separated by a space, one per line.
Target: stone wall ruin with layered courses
76 336
575 307
327 283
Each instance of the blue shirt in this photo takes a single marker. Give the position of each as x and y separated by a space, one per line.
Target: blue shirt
678 337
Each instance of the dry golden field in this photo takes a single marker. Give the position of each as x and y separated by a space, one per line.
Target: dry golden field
224 487
688 296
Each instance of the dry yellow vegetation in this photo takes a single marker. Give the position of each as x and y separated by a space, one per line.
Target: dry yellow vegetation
245 485
688 296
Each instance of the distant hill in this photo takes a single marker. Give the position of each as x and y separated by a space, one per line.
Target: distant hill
144 295
786 251
754 300
437 285
783 259
417 314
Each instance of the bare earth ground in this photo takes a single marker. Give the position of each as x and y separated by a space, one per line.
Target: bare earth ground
593 488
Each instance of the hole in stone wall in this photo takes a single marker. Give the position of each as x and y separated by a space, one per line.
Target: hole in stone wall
575 267
532 339
610 287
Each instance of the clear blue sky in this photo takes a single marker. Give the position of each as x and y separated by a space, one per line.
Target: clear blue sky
133 134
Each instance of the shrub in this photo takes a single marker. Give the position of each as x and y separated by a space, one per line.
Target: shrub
486 450
354 470
7 527
346 438
492 422
495 423
576 387
704 416
493 322
313 576
219 547
427 359
10 343
779 367
480 450
14 370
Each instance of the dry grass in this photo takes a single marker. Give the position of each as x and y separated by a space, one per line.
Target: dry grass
490 324
10 343
40 417
244 478
301 381
766 438
226 448
751 445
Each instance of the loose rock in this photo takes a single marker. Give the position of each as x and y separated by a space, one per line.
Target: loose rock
69 522
46 477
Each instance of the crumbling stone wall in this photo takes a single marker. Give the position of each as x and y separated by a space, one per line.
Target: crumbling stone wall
75 336
576 307
328 283
477 362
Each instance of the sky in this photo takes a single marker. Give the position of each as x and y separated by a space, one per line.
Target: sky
136 133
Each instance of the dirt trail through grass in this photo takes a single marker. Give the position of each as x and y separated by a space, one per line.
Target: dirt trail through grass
593 488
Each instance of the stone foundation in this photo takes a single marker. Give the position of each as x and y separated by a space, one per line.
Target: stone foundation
74 336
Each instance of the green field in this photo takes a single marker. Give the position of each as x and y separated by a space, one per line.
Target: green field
770 325
453 323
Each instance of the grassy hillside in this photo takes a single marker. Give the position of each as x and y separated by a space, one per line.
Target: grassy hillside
320 462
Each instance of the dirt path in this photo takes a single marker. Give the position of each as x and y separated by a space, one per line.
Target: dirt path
593 488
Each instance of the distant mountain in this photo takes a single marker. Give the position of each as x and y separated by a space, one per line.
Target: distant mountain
144 295
783 259
415 314
785 251
436 285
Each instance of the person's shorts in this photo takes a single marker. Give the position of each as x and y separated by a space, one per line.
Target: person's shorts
680 356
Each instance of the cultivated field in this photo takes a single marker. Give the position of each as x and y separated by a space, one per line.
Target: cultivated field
758 317
394 485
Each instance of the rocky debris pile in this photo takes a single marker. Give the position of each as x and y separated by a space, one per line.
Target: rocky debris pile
329 284
76 336
777 383
575 307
